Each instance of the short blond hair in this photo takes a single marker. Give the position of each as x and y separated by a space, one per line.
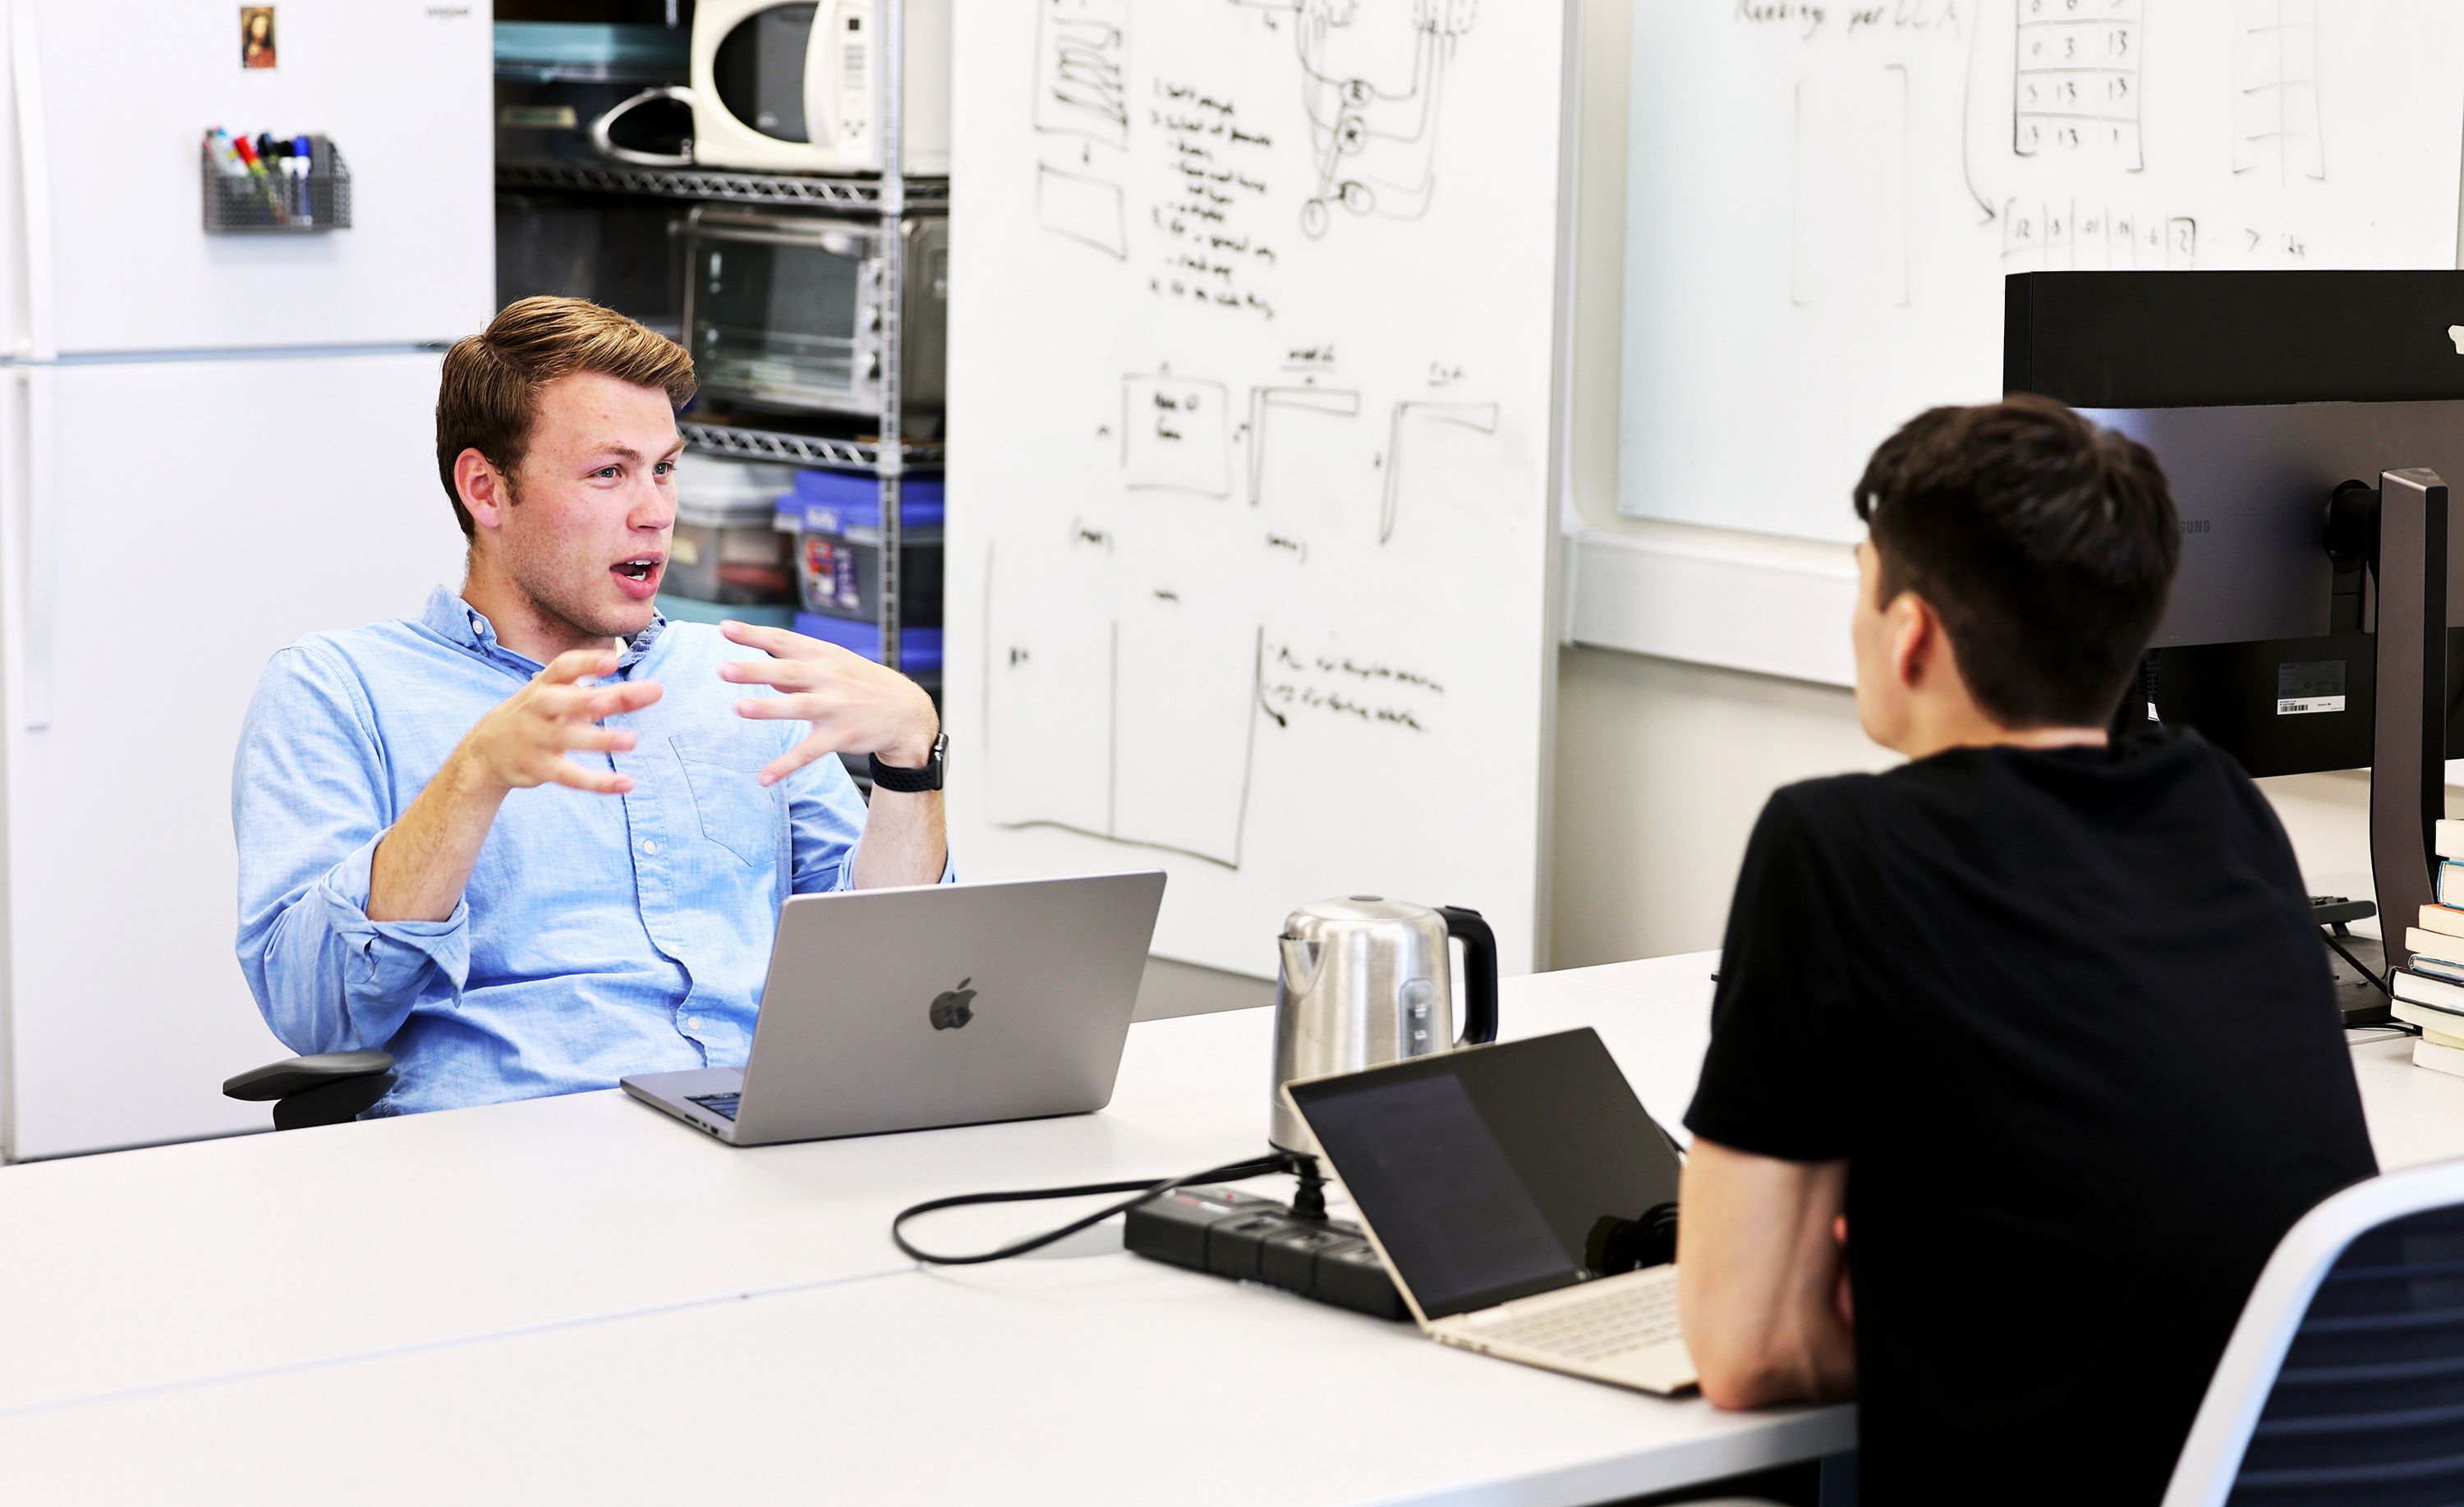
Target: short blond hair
489 398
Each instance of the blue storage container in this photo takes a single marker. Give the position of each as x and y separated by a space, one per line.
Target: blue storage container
919 649
836 518
853 498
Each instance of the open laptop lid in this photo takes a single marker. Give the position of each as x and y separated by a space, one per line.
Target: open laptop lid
946 1004
1482 1171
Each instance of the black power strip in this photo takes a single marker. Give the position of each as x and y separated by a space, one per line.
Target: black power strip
1254 1239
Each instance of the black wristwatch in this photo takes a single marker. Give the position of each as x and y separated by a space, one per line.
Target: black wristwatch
913 782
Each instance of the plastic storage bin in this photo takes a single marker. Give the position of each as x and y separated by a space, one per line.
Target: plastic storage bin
686 610
835 517
920 650
726 548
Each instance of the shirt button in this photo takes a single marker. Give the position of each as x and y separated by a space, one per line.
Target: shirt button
693 1022
651 845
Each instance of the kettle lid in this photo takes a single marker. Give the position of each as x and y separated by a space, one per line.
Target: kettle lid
1349 911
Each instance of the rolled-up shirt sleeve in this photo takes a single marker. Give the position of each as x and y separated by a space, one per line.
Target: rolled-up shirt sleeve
309 803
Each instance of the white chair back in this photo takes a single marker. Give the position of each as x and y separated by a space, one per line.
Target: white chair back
2343 1382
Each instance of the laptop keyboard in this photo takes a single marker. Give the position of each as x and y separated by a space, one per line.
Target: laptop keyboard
1606 1321
722 1105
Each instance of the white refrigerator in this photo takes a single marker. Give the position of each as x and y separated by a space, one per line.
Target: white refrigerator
209 445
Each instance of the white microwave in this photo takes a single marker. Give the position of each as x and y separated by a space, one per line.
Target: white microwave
798 86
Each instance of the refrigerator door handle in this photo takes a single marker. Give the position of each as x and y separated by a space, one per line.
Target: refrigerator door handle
33 170
34 514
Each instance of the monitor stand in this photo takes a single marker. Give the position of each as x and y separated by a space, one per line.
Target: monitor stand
2361 1001
2359 996
2404 527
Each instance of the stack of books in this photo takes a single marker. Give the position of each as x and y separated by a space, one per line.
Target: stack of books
2430 993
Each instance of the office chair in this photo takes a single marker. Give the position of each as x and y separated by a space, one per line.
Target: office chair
327 1089
2343 1383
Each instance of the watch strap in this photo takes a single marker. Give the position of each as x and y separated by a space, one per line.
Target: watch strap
912 781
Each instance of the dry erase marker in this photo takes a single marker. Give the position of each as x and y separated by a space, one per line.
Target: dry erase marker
275 153
218 142
257 170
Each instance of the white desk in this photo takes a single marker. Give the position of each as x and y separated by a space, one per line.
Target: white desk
1102 1379
221 1257
1035 1380
141 1268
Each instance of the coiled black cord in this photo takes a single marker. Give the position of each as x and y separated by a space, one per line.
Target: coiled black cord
1304 1166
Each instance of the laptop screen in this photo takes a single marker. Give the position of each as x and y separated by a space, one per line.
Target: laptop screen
1483 1170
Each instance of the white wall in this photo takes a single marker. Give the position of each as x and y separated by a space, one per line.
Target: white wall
1661 767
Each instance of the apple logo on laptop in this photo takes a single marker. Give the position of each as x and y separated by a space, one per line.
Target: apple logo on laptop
954 1008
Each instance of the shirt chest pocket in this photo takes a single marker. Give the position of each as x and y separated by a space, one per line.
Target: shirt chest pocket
735 812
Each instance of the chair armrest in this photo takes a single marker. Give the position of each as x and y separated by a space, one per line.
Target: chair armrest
299 1073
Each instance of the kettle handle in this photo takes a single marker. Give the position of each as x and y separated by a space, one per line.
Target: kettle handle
1480 974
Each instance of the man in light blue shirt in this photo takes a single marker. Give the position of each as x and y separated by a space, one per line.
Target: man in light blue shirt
536 838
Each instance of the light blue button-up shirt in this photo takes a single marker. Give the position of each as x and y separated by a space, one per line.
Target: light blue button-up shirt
599 935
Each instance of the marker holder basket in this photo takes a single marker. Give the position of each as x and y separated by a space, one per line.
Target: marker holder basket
273 204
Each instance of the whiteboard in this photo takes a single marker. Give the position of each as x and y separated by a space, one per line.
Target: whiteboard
1253 307
1823 199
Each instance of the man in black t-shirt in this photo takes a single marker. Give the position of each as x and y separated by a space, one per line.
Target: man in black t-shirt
2028 1044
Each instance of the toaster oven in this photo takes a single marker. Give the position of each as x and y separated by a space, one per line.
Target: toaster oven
786 311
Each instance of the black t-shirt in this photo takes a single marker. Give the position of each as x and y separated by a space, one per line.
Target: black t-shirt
2066 1015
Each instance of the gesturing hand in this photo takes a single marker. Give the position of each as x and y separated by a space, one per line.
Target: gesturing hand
854 705
524 741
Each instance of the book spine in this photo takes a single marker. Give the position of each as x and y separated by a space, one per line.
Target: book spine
2434 945
2438 1027
2435 992
2426 1016
2438 1059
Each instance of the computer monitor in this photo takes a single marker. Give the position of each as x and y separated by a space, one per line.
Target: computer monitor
2262 394
2266 646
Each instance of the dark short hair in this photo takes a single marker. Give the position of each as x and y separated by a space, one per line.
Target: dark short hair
2045 543
488 396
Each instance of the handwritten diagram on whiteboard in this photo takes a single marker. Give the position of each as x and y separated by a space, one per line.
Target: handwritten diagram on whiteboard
1822 201
1250 394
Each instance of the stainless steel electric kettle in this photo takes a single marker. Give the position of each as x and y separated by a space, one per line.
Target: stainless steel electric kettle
1365 980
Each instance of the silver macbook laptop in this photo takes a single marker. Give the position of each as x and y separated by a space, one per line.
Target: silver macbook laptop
940 1005
1483 1176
